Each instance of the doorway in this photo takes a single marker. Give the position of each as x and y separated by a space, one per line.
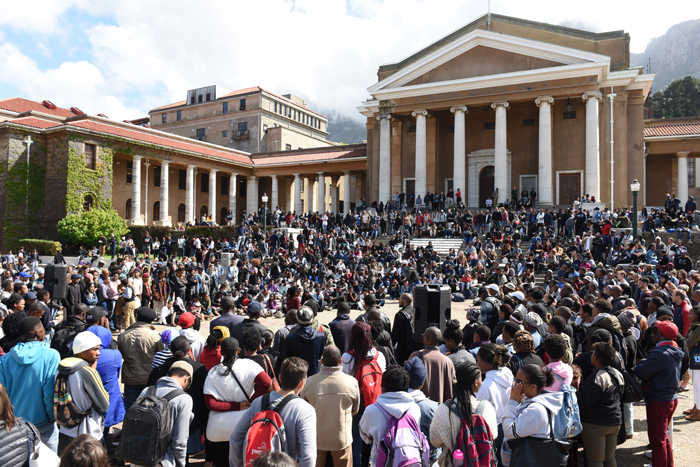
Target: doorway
409 188
486 184
569 188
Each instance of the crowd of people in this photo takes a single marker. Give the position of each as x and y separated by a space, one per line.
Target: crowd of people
569 312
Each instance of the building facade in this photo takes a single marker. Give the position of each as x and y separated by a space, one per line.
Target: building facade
504 104
253 120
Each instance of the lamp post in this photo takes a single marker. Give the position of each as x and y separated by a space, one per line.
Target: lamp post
634 186
28 141
264 200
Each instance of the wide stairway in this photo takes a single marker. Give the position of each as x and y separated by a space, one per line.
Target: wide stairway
442 246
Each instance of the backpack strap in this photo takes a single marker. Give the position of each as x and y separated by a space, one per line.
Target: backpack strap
240 385
283 403
151 391
265 402
172 394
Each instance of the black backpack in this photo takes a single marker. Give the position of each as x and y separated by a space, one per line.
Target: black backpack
147 428
63 340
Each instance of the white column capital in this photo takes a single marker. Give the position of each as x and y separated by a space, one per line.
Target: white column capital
682 153
420 112
320 173
459 108
274 177
504 104
594 94
192 167
137 158
213 171
147 164
544 99
165 163
384 116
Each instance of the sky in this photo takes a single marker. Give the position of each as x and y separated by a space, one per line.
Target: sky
125 57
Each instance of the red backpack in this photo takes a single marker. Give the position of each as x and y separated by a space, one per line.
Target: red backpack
476 444
369 378
266 432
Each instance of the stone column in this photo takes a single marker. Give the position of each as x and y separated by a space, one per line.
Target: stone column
164 187
592 144
421 153
297 193
136 192
189 194
308 194
346 192
274 195
321 193
353 188
501 180
334 193
232 194
252 195
459 174
545 194
212 194
682 190
384 157
146 165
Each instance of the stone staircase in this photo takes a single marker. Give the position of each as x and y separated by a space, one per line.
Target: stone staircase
442 246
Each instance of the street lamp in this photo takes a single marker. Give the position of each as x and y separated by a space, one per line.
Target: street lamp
28 141
634 186
264 200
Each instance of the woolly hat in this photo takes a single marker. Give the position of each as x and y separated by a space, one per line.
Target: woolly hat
416 370
85 341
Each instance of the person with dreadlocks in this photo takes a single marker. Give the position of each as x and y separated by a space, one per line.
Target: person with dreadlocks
228 391
448 417
211 354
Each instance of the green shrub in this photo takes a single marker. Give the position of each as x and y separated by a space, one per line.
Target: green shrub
138 232
44 247
84 229
219 232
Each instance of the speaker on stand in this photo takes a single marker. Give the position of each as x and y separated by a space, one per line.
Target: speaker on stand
432 304
56 280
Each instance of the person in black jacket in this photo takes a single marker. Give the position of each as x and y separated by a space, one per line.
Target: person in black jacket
18 438
402 333
341 328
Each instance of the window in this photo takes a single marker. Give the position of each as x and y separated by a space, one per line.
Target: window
127 209
204 182
199 99
242 187
275 107
156 211
90 156
129 170
208 97
242 127
451 129
182 180
164 117
156 176
528 122
411 127
242 107
489 125
201 133
570 115
288 147
192 100
87 203
179 115
203 211
181 213
224 185
224 134
691 172
225 110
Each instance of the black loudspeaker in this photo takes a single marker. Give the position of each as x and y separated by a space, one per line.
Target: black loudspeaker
55 280
432 306
226 259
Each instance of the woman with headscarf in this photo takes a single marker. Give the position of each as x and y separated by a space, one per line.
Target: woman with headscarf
535 326
524 347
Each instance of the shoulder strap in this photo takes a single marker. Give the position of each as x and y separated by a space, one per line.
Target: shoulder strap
266 359
283 403
240 385
172 394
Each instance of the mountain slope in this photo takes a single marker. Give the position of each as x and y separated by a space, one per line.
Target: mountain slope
343 129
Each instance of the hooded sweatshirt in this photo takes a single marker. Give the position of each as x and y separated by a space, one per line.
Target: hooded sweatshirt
529 418
374 423
196 342
109 366
28 373
89 395
563 374
661 372
427 413
496 389
307 344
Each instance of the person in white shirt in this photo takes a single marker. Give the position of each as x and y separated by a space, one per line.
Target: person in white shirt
137 284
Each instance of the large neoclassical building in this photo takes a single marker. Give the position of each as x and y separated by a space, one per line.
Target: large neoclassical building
506 103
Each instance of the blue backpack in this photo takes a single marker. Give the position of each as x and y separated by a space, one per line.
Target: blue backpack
567 422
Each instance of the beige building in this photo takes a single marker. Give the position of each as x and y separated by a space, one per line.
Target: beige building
504 104
253 120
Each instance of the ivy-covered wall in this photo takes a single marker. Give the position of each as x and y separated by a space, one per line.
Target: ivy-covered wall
82 181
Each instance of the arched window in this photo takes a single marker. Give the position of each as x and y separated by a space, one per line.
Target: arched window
181 213
203 211
156 211
127 209
87 203
222 216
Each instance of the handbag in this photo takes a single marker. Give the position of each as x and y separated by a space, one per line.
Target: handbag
695 357
540 452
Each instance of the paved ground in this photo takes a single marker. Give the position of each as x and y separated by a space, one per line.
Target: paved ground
630 454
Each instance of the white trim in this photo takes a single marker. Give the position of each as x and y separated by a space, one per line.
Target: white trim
537 183
580 172
476 161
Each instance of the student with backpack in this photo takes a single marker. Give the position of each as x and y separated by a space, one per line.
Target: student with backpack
529 413
394 408
464 420
555 347
67 329
294 430
80 399
416 371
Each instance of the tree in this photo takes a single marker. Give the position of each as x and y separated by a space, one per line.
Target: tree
85 228
681 98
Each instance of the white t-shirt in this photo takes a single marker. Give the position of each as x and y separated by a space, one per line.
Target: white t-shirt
348 362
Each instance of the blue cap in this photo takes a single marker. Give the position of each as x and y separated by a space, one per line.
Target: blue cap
24 274
75 276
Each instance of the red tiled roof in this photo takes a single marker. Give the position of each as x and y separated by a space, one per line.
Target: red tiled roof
19 105
176 104
677 129
35 122
149 136
327 155
242 91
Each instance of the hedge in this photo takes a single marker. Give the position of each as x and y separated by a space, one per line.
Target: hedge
138 232
44 247
219 232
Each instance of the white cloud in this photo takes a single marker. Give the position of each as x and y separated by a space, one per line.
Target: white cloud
146 54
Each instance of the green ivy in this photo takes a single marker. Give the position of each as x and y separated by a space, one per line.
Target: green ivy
82 181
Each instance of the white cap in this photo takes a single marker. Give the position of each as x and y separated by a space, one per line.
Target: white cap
519 295
85 341
493 287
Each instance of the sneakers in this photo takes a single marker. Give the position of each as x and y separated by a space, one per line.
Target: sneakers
279 314
647 454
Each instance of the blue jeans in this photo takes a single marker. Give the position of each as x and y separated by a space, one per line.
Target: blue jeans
113 250
680 234
131 393
49 435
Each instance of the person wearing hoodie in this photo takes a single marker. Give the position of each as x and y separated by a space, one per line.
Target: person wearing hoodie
307 343
555 347
394 401
416 371
28 373
254 310
601 408
179 376
341 328
86 389
661 373
109 366
196 340
529 408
